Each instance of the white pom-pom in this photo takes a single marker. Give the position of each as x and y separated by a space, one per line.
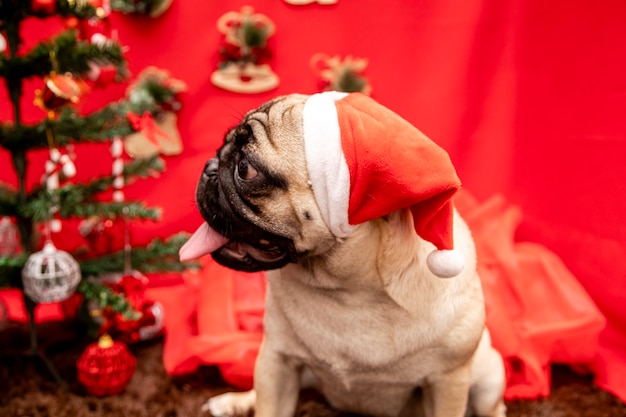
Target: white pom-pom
445 263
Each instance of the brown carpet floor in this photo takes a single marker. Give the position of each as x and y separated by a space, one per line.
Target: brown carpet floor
27 389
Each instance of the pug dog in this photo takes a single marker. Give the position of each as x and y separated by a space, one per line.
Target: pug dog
357 305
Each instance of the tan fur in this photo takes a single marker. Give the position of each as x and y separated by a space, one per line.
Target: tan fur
363 319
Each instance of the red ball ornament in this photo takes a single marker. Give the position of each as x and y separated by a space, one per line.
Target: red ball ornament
106 367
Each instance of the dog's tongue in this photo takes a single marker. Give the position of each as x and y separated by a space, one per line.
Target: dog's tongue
204 241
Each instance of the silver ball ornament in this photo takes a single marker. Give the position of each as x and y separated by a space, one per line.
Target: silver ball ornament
50 275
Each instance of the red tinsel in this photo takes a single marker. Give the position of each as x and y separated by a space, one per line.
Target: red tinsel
105 367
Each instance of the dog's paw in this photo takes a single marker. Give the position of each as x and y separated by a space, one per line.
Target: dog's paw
231 404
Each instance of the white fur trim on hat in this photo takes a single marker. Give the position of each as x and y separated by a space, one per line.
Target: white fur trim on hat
328 170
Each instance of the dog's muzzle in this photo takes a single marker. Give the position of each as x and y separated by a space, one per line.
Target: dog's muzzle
232 240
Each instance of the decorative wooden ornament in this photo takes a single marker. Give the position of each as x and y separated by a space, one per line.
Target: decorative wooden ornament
105 367
158 136
341 74
246 78
244 53
50 275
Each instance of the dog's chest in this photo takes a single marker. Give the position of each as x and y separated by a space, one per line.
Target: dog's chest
351 337
367 353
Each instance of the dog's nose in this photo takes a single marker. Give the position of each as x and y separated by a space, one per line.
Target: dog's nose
211 166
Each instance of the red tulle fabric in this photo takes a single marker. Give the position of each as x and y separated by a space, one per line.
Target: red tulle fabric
537 312
215 318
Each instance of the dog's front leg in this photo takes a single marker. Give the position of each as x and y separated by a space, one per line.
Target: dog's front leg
277 384
446 395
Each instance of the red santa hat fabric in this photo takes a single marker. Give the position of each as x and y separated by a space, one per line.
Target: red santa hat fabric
365 162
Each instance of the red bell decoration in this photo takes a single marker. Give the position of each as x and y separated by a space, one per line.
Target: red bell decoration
59 90
106 367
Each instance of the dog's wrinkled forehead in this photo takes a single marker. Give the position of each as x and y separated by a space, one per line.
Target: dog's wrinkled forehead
273 130
273 120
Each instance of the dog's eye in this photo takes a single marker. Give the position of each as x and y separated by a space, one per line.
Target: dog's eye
245 170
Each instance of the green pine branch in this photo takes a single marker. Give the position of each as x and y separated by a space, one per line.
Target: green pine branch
71 55
105 297
159 256
80 199
8 200
72 203
99 126
17 10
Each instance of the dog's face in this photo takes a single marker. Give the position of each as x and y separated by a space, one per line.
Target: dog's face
256 192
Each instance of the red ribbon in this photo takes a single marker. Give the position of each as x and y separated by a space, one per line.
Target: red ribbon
147 126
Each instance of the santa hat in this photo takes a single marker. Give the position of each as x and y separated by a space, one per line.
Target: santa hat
365 162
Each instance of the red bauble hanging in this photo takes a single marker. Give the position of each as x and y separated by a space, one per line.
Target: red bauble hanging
105 367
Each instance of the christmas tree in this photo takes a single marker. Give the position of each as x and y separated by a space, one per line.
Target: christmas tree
83 56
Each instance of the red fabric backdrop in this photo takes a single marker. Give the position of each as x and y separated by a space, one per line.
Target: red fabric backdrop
527 96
